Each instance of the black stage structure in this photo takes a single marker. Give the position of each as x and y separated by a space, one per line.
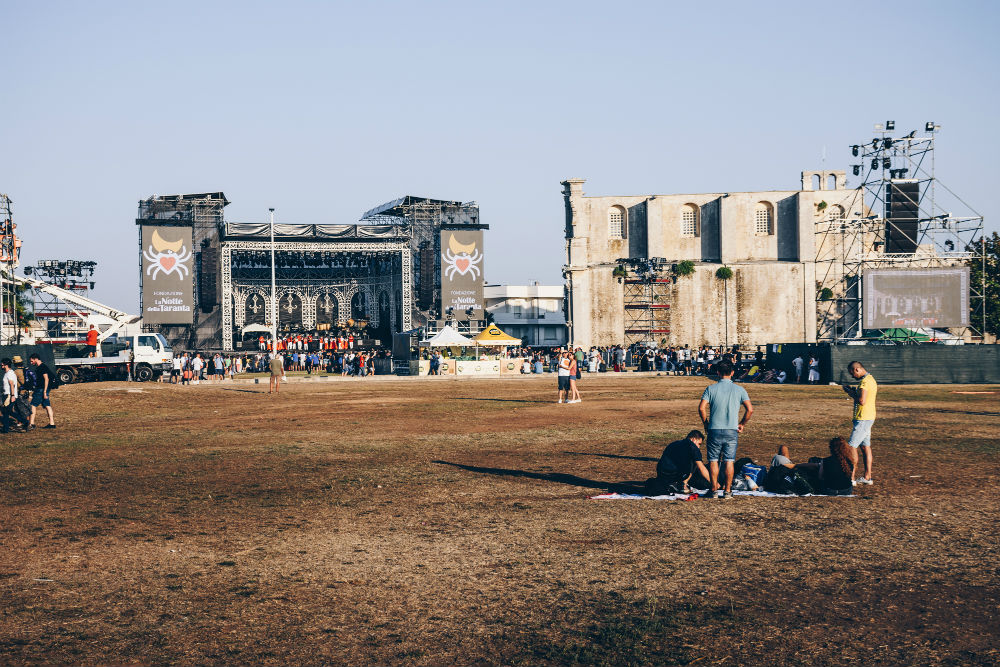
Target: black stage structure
381 274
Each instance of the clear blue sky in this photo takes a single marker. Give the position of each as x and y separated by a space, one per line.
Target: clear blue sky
324 110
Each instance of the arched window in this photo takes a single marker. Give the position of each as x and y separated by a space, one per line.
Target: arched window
817 181
617 219
831 182
689 220
836 213
763 219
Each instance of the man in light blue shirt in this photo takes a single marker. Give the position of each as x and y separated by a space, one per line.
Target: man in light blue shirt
719 410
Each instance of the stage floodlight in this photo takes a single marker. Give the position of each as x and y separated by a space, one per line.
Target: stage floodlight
886 163
857 169
854 150
875 142
874 163
890 125
949 245
27 270
929 127
887 142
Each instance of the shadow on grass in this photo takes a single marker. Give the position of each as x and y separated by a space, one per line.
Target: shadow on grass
969 412
501 400
613 456
558 477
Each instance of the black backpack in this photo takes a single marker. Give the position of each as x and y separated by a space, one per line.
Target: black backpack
787 481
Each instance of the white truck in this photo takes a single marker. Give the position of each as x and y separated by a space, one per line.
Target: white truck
143 356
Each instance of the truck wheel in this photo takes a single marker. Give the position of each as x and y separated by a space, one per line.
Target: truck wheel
143 373
66 375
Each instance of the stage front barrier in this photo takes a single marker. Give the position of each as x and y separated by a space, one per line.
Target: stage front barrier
490 367
469 368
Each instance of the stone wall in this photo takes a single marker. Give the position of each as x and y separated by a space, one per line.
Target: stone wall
772 295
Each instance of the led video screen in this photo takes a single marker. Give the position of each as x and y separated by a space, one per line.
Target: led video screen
916 298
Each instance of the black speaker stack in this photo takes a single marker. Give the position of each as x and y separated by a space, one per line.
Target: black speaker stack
902 199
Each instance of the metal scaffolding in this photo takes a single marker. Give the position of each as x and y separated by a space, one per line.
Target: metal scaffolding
647 284
425 217
10 252
61 319
869 236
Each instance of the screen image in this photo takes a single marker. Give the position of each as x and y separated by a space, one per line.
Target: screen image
916 298
462 271
167 289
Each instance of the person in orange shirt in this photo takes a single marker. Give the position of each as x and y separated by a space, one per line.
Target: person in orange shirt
92 342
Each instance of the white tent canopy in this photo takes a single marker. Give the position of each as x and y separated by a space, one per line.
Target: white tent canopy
254 328
448 337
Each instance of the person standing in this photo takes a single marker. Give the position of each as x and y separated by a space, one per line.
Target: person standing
719 410
197 364
9 393
92 341
277 368
798 362
40 396
813 370
562 373
574 375
864 417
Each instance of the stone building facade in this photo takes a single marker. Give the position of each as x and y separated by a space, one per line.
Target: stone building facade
767 239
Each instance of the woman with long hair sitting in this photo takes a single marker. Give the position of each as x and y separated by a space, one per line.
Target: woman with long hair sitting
836 471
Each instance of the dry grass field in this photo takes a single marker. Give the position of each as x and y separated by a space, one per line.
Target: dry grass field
443 522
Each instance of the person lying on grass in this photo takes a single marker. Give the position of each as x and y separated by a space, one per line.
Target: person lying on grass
831 476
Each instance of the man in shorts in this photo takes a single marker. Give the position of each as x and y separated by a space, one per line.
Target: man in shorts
864 417
719 410
92 342
40 395
562 372
277 367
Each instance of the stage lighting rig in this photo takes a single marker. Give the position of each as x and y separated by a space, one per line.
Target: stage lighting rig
854 150
890 125
856 169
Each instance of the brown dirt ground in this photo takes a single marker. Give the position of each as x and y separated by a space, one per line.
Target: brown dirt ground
442 522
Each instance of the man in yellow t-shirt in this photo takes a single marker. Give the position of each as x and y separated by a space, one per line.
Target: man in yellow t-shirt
864 416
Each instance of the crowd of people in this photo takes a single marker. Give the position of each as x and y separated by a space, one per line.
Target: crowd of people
194 367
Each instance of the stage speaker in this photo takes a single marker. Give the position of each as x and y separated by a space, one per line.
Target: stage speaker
902 202
208 269
426 293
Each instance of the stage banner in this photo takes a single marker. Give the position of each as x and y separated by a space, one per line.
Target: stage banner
167 283
916 298
462 271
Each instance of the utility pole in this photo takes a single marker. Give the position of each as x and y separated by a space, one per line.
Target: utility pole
274 294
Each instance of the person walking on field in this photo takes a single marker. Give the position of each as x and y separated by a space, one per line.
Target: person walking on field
40 395
277 367
719 410
864 417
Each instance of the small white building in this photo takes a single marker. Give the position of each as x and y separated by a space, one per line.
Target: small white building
532 312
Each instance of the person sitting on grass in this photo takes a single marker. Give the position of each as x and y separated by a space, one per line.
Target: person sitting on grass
832 475
678 463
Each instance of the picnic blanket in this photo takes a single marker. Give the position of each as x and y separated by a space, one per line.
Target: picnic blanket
696 495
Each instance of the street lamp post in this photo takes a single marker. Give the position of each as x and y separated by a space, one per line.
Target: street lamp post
274 294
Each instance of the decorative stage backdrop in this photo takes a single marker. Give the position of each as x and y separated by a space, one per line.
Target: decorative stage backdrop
167 283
